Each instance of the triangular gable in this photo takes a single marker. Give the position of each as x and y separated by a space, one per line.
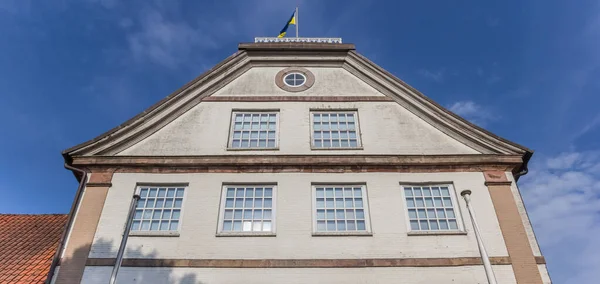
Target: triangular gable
257 55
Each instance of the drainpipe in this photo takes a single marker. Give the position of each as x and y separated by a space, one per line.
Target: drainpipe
489 273
119 260
70 219
524 169
523 172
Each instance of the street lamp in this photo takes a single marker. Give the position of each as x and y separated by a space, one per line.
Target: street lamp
466 194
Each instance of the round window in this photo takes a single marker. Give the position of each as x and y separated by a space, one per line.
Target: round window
294 79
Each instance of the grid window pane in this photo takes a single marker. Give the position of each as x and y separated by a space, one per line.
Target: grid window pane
430 208
294 79
249 209
158 209
334 130
254 130
340 208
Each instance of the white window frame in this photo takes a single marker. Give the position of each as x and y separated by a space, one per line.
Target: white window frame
359 145
232 127
294 73
176 233
365 197
455 205
222 208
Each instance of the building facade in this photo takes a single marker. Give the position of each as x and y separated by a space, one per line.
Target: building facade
298 162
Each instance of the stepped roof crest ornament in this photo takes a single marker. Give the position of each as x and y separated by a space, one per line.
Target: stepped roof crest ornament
298 39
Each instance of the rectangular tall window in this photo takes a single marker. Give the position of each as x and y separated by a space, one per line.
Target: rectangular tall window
158 209
253 130
247 208
337 129
432 208
340 208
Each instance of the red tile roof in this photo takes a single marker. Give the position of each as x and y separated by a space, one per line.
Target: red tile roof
27 246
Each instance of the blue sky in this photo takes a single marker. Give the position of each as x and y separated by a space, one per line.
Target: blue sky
526 70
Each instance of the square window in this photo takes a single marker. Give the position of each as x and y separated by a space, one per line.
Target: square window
158 209
334 130
251 207
340 208
258 130
431 208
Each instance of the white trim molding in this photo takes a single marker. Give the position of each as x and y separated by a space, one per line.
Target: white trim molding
298 39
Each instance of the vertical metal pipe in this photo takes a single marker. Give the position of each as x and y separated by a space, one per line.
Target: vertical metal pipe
70 219
132 207
489 273
296 22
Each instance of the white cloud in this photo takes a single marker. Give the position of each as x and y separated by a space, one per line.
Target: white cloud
465 108
563 161
34 126
591 125
492 22
125 23
165 42
479 71
473 112
163 34
118 90
494 78
17 6
562 194
108 4
436 75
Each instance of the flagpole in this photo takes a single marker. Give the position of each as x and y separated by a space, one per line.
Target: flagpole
296 22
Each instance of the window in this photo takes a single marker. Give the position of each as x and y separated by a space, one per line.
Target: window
431 208
254 130
294 79
335 130
340 208
247 209
158 209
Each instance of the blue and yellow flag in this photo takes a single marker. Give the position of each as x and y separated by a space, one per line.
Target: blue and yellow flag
292 21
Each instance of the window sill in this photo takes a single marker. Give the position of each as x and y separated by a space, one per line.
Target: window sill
335 148
341 234
436 233
246 234
153 234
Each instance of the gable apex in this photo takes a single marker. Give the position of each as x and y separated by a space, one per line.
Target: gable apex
284 55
